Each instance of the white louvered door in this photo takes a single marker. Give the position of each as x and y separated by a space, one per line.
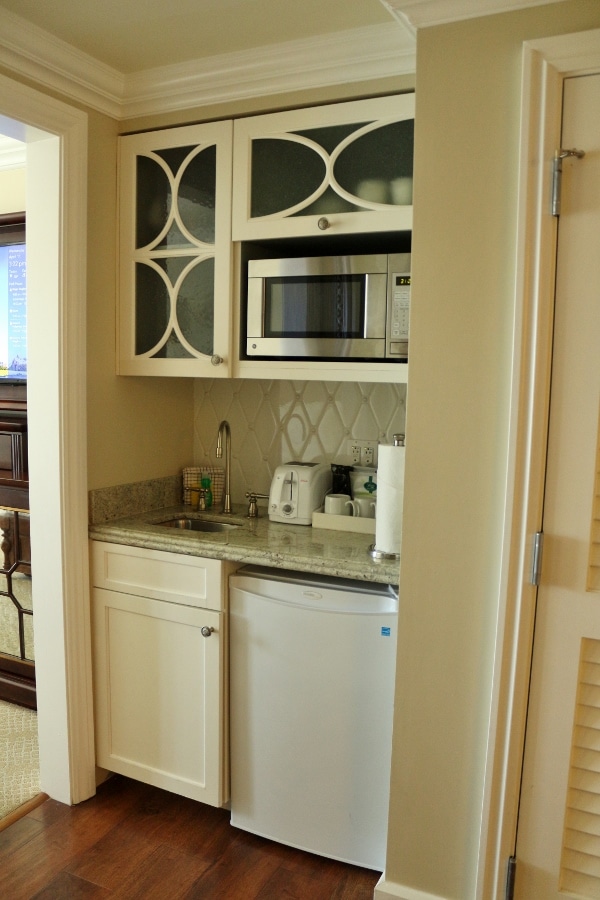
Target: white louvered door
558 840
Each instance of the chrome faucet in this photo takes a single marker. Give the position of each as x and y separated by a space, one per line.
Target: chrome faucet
224 437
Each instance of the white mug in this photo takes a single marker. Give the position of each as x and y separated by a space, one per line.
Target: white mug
335 504
374 190
363 507
402 191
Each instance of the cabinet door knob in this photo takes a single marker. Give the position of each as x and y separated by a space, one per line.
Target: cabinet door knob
206 631
323 223
216 360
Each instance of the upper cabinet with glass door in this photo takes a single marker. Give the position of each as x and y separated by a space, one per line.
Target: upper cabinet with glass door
337 169
175 252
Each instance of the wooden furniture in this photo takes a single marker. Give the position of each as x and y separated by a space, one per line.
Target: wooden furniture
17 553
160 645
14 494
17 673
14 473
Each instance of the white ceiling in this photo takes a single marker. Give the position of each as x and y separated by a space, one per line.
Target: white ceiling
132 36
135 35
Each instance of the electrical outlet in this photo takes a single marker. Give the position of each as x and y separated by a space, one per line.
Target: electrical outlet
362 452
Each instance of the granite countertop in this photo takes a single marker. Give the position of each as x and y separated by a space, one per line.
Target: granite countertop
258 541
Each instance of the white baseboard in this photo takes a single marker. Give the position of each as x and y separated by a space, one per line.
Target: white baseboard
385 889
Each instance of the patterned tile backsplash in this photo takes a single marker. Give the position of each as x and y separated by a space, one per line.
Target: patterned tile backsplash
273 422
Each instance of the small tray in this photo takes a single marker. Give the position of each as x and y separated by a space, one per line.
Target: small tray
357 524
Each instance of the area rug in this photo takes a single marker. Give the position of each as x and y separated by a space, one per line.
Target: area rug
19 759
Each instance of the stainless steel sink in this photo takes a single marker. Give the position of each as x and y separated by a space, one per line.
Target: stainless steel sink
199 524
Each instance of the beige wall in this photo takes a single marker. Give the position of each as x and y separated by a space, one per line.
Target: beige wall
138 428
12 190
466 149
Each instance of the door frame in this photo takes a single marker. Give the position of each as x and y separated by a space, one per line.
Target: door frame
546 62
56 137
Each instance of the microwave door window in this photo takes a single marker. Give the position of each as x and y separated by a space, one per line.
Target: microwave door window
319 307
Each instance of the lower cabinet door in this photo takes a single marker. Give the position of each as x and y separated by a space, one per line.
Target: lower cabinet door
159 694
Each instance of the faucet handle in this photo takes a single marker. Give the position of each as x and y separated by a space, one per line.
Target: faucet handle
252 497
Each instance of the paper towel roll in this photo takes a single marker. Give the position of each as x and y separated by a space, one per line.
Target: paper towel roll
390 497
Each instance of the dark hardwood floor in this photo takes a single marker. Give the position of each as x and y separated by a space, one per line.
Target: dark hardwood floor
134 841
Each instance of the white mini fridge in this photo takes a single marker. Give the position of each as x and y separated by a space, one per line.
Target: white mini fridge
312 667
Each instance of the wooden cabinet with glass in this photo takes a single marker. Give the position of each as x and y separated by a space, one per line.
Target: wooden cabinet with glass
344 168
175 252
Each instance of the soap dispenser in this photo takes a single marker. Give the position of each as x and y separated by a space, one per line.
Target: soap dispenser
208 495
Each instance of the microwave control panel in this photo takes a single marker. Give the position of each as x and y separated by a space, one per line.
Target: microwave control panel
398 315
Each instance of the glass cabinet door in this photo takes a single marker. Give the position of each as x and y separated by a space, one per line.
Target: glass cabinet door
338 169
175 251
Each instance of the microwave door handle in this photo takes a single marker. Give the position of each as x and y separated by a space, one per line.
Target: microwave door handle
365 332
375 305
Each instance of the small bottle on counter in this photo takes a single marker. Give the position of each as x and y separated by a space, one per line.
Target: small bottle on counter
208 495
194 495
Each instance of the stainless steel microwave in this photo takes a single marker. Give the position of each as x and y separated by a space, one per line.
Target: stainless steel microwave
329 307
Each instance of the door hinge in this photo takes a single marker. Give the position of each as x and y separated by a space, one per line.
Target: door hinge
557 175
536 558
511 869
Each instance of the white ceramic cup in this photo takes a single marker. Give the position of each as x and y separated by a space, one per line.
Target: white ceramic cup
373 190
402 191
335 504
363 507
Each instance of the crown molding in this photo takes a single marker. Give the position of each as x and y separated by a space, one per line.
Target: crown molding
361 54
423 13
36 54
376 51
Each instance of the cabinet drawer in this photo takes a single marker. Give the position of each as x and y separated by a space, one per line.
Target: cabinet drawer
173 577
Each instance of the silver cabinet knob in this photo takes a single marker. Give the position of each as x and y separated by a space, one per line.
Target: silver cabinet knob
216 360
206 631
323 223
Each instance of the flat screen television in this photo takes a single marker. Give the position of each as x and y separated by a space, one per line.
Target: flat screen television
13 299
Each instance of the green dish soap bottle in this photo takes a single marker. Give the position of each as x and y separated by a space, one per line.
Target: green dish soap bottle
205 483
